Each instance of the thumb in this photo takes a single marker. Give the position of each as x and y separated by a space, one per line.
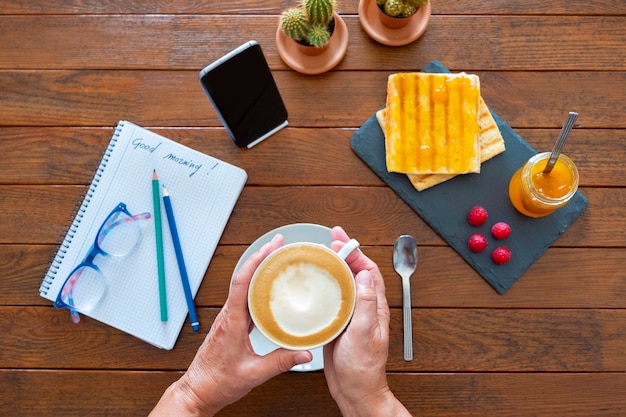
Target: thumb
282 360
365 311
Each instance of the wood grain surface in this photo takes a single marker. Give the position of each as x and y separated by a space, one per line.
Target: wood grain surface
553 345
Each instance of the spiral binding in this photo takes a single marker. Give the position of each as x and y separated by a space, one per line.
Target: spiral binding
79 213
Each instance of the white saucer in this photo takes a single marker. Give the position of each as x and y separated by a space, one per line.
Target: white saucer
298 232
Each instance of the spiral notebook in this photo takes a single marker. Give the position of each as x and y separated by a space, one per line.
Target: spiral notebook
203 191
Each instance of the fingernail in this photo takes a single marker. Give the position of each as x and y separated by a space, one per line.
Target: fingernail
364 278
303 357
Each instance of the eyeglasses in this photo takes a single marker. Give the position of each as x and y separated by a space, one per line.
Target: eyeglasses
86 285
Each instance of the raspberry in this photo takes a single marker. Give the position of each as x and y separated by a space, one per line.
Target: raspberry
477 243
477 216
501 230
501 255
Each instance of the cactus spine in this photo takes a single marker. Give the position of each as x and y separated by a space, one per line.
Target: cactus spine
318 35
309 22
408 9
320 12
416 3
294 23
400 8
393 7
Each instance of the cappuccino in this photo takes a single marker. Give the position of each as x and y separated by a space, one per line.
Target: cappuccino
302 295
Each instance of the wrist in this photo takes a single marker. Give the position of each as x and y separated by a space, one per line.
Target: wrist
180 400
382 403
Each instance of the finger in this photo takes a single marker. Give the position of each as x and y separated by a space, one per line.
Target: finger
357 260
365 318
238 294
329 353
352 257
282 360
339 238
382 305
337 233
379 286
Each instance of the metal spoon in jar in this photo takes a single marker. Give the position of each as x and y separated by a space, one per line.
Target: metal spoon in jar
405 263
560 142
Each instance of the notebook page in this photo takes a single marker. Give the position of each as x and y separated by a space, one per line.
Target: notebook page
203 190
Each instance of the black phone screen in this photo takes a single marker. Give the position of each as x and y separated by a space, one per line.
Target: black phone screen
243 92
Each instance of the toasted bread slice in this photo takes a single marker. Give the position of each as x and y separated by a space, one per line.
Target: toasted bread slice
490 141
431 123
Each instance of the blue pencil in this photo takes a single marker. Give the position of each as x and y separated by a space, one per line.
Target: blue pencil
195 325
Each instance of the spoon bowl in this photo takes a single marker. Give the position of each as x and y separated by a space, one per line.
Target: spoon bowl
405 263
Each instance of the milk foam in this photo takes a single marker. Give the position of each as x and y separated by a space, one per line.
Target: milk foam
304 299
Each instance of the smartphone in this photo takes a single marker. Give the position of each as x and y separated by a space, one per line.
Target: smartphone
244 94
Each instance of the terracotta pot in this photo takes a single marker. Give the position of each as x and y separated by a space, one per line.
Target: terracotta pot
317 50
392 31
395 22
312 60
311 50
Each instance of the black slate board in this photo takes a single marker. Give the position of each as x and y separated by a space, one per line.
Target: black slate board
445 206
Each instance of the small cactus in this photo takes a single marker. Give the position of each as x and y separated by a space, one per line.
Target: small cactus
318 35
393 7
308 23
294 23
319 12
400 8
408 9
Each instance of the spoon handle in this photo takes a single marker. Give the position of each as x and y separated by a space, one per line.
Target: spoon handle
565 131
408 323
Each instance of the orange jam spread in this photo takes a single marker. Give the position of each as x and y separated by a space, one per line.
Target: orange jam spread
535 193
431 123
555 184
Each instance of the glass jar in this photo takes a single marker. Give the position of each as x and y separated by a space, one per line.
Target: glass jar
535 193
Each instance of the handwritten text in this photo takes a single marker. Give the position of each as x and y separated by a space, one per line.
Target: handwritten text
139 144
185 162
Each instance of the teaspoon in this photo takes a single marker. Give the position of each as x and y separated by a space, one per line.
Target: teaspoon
405 263
560 142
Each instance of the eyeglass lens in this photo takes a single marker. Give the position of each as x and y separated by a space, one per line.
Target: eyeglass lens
87 286
118 235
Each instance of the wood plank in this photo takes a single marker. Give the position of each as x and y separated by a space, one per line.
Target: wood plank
554 7
144 7
80 393
586 278
32 155
67 156
101 98
261 209
525 42
553 345
444 340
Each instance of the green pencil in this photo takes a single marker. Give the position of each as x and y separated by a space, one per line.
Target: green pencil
156 200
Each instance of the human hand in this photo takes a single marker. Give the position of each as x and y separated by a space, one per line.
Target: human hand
354 364
226 367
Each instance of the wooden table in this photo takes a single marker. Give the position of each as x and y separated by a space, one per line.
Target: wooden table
553 345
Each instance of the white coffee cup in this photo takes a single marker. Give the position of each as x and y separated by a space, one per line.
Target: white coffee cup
302 295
